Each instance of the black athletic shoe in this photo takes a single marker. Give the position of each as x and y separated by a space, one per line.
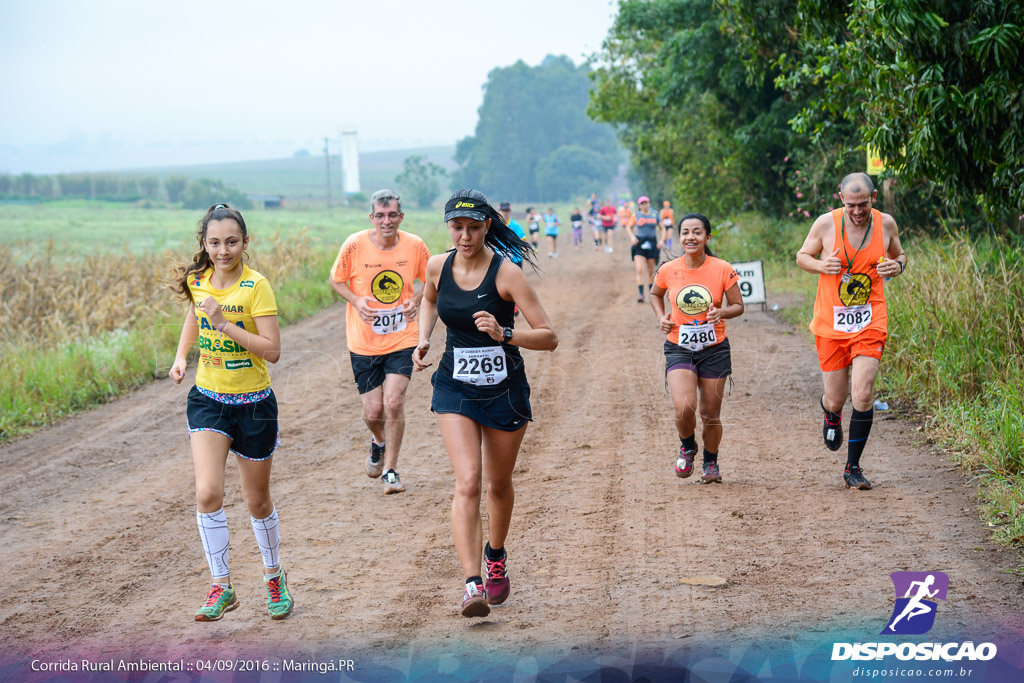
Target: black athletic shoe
375 461
831 432
855 479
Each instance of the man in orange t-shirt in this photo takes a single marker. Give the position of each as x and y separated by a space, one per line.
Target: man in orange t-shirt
850 315
374 272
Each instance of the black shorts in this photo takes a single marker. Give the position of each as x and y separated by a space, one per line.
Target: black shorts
534 231
252 427
713 362
508 412
608 228
637 250
370 370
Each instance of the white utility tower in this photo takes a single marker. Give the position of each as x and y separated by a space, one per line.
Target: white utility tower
350 161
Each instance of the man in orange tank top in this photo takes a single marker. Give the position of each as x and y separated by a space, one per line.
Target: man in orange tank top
852 250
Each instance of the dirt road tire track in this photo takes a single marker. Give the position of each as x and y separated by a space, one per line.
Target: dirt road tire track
98 511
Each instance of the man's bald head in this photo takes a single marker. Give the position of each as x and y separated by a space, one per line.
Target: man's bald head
855 183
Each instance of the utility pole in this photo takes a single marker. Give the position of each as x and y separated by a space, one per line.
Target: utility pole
327 157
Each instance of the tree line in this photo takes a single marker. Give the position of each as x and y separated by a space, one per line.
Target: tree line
533 140
176 189
765 104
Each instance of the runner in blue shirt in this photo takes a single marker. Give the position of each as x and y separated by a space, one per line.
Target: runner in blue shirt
551 230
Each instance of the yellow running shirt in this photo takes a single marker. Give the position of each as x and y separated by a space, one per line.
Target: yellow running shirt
386 277
226 367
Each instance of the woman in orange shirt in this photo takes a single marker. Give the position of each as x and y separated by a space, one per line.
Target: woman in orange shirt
697 355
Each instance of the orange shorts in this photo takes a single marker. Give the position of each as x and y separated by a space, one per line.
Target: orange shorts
836 354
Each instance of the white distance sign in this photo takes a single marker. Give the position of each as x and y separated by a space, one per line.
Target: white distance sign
751 281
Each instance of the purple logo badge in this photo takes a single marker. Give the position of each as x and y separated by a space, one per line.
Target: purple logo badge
916 592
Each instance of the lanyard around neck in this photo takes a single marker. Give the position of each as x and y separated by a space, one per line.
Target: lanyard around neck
849 261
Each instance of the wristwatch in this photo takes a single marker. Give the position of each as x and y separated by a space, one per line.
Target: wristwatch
506 334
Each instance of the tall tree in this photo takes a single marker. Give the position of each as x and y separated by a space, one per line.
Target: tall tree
175 186
937 87
528 113
700 129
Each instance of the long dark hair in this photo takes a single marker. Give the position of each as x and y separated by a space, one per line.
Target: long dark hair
201 260
500 237
707 228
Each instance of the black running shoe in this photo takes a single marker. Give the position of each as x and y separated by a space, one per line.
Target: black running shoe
712 475
855 479
832 432
375 461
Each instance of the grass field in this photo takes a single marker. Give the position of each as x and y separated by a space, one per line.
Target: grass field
68 229
305 177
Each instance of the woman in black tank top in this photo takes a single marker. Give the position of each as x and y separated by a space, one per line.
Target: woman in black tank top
481 395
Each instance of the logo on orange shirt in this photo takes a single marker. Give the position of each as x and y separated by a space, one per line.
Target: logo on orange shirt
693 299
856 291
387 286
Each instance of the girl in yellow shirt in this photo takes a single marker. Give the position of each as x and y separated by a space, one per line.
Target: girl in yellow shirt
231 409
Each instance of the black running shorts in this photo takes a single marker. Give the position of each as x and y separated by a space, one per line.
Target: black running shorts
252 427
713 362
508 412
370 370
637 250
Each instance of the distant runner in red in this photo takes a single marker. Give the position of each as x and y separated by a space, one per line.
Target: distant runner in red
608 215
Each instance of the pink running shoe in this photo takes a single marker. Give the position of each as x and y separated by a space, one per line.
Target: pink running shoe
684 464
497 585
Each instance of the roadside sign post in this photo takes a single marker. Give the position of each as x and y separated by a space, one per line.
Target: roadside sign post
752 282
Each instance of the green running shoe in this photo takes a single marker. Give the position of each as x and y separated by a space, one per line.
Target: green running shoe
221 599
279 599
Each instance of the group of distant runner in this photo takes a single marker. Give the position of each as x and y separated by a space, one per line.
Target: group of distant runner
481 395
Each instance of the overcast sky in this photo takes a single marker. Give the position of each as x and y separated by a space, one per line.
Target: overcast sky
105 84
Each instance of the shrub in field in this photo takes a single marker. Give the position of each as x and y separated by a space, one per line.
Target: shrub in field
204 193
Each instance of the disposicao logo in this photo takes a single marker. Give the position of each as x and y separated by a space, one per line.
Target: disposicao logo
914 614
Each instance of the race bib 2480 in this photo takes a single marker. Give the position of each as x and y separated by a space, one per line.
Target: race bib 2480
697 337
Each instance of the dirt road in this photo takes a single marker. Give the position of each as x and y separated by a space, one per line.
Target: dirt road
100 538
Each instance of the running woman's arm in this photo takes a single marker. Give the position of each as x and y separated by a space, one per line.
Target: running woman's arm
513 286
189 334
807 257
360 303
733 309
265 342
629 231
658 304
428 311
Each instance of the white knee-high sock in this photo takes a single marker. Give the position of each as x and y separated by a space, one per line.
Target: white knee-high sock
268 537
213 530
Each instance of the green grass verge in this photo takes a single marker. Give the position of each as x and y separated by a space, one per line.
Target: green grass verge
955 353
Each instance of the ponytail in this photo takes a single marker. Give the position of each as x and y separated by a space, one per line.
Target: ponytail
503 239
